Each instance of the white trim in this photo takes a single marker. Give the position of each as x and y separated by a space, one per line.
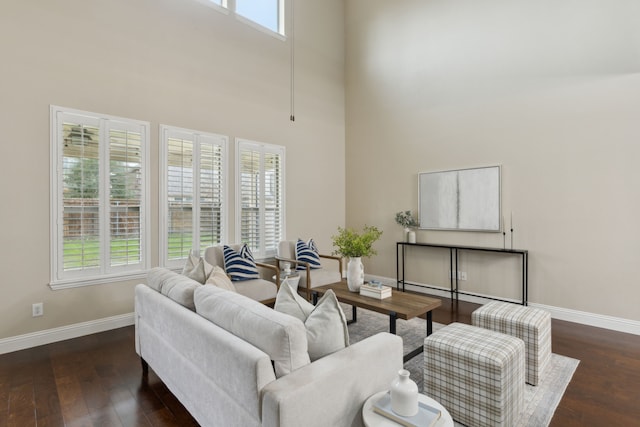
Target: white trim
96 280
220 8
263 148
198 139
48 336
592 319
59 278
582 317
256 26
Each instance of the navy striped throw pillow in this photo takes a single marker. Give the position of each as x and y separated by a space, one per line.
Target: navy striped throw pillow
240 266
307 252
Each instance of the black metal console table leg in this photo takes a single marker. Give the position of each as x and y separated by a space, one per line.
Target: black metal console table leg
393 316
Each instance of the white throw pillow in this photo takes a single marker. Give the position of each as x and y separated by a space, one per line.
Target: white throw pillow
220 279
325 322
197 268
288 301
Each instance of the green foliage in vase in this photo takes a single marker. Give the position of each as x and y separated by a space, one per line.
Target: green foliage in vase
406 219
349 243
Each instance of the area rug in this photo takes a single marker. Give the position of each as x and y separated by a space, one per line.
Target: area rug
540 401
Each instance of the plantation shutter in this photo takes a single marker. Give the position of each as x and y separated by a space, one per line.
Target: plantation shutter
179 198
99 191
273 221
261 196
80 194
212 191
125 195
250 184
194 192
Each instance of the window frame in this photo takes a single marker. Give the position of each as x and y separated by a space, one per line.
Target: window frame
197 137
262 148
278 33
105 272
228 7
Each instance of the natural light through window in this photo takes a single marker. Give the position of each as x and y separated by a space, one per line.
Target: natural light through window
266 13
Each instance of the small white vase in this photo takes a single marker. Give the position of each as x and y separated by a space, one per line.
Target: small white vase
404 395
355 274
411 236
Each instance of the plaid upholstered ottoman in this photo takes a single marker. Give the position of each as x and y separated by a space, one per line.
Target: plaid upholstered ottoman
531 325
477 374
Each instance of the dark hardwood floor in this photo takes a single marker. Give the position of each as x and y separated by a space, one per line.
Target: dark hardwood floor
97 380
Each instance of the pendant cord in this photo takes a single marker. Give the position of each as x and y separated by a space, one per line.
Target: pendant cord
292 116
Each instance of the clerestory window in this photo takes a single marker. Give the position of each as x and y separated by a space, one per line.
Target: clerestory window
266 14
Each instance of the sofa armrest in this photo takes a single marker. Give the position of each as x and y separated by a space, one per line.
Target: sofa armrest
332 390
273 269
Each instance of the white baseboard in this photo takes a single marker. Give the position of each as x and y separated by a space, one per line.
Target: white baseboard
569 315
48 336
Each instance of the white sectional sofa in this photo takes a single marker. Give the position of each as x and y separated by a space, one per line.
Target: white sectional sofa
233 361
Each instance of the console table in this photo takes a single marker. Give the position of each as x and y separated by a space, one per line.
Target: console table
453 264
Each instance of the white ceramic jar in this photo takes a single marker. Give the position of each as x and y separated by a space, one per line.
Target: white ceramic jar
404 395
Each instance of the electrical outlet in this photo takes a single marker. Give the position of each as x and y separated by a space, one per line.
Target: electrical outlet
37 309
461 275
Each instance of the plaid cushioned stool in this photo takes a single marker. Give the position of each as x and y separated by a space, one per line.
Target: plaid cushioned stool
531 325
477 374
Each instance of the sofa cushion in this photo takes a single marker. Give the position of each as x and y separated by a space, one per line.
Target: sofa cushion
325 322
240 265
220 279
173 285
256 289
281 336
308 253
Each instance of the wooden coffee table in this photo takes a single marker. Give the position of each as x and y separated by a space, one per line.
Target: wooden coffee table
400 305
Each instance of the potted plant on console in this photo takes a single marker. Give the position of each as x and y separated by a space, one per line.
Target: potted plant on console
354 245
409 222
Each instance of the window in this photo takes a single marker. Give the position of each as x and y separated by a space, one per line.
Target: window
267 13
259 196
262 14
99 197
193 193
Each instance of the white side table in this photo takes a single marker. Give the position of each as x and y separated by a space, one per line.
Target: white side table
292 279
371 419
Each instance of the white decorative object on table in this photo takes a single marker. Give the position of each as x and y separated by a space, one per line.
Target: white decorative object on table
375 290
355 274
292 279
373 419
404 395
409 222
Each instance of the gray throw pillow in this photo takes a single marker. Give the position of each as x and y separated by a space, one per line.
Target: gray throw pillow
325 322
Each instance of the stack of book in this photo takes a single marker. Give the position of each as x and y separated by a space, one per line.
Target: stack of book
375 291
427 415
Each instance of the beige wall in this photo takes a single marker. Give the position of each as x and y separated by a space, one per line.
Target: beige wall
175 62
548 89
